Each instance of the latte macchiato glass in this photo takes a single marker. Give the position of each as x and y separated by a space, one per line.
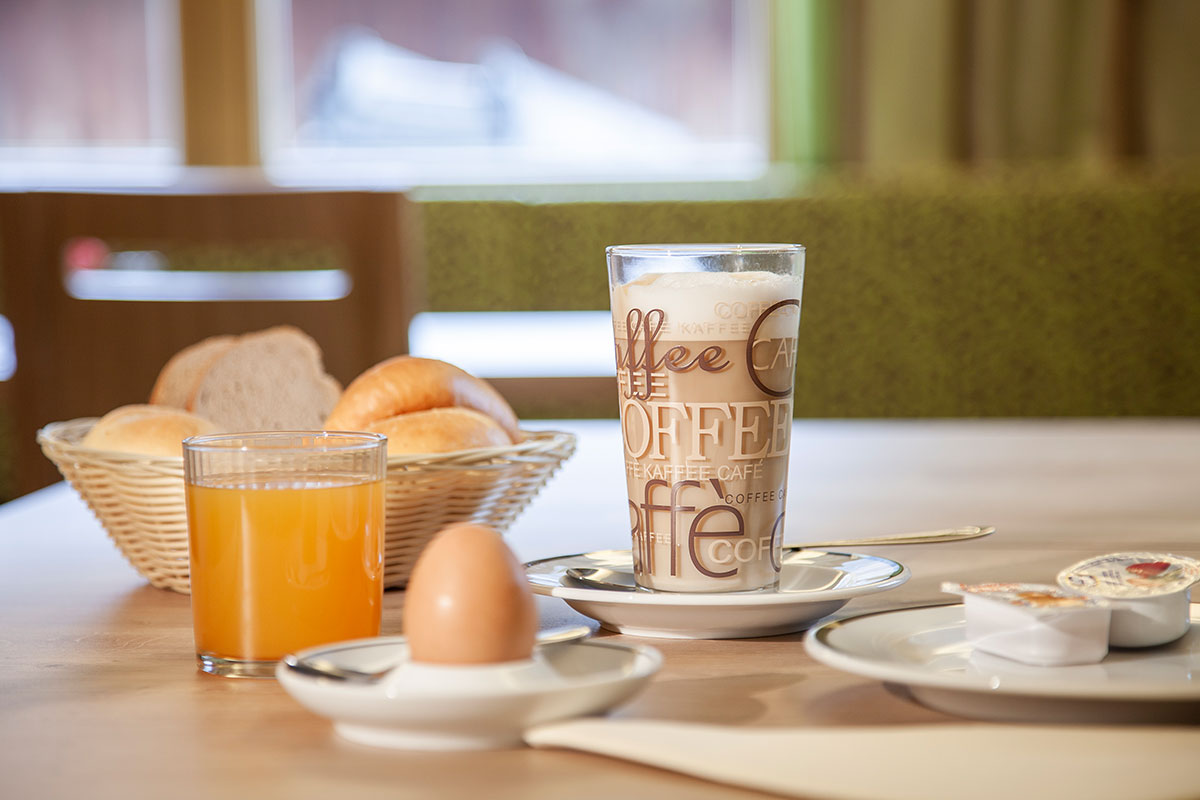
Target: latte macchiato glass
706 356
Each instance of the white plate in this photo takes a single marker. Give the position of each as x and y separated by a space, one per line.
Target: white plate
812 584
924 651
438 707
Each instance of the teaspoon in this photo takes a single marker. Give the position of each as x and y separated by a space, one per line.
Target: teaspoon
321 668
604 578
922 537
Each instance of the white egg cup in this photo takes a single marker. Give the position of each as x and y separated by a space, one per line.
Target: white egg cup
418 706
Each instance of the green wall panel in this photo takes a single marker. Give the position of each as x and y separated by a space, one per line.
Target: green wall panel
943 298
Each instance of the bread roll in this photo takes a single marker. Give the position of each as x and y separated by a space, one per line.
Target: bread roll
179 377
270 380
146 429
405 384
440 430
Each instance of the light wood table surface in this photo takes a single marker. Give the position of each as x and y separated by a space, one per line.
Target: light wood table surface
99 695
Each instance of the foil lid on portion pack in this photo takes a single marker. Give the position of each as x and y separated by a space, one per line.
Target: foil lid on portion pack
1129 576
1037 597
1034 623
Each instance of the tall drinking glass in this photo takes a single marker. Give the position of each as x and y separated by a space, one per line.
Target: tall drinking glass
706 356
285 535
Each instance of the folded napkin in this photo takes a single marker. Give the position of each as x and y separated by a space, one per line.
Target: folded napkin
980 761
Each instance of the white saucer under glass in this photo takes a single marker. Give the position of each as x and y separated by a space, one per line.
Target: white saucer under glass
812 585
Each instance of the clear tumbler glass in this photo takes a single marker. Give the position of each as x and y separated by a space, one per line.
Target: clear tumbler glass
285 534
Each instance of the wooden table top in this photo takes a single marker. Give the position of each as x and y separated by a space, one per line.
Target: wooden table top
99 691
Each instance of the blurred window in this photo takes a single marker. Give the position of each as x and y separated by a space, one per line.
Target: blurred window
95 269
495 344
87 91
458 91
383 92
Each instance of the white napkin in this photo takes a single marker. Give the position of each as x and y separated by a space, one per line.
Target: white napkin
980 761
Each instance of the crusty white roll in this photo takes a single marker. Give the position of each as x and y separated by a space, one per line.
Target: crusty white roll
440 430
151 430
405 384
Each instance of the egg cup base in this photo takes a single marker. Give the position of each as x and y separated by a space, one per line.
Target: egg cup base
420 706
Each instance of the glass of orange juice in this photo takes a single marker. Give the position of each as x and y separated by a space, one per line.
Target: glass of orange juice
285 535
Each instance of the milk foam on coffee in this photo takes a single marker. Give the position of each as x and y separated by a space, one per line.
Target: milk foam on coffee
705 366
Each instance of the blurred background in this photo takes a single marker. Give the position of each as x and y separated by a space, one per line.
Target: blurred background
999 197
420 91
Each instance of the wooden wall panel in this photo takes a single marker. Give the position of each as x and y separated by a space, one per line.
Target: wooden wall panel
83 357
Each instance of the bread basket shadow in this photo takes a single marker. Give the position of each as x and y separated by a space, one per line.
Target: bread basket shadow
140 499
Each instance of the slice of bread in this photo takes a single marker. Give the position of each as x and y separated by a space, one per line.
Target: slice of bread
179 376
146 429
270 380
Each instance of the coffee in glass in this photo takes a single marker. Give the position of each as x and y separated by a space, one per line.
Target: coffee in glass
706 352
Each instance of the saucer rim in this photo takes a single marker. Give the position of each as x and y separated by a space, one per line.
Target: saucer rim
900 575
646 662
1051 684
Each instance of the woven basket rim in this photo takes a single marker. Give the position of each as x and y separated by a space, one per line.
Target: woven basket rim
57 435
139 499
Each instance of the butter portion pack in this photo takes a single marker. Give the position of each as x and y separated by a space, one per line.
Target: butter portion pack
1034 623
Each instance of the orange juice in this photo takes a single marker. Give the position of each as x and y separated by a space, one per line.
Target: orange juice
277 567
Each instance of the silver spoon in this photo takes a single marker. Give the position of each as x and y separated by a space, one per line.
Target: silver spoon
604 578
321 668
921 537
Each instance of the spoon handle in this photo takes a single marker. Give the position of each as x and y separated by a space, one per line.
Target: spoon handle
923 537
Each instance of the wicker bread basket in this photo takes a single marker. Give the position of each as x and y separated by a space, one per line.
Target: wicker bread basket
140 499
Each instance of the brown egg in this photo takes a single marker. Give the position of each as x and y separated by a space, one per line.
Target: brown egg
468 602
